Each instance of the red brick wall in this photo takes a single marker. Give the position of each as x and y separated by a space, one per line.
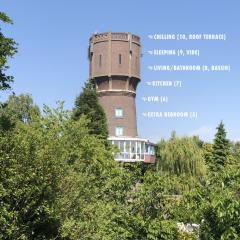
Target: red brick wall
109 102
116 81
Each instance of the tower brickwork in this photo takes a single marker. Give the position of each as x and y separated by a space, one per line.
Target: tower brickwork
115 69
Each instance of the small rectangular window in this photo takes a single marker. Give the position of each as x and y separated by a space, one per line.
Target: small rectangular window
120 59
119 131
119 112
100 60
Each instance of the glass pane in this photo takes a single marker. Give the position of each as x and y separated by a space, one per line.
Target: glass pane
122 146
118 112
127 146
119 131
138 147
142 147
133 146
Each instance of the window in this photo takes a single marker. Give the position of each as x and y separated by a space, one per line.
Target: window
118 112
119 131
100 60
120 59
136 62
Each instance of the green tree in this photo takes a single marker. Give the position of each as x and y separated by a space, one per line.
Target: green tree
87 104
58 181
155 204
208 153
17 108
180 156
30 169
218 205
221 148
235 152
7 49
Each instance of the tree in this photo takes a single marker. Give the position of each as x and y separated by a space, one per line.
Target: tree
235 152
221 148
217 205
155 204
208 154
17 108
58 181
180 156
30 169
87 104
7 49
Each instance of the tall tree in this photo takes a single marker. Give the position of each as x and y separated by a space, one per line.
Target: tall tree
180 156
87 104
7 49
221 147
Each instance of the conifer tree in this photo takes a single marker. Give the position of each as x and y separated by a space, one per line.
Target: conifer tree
87 104
220 147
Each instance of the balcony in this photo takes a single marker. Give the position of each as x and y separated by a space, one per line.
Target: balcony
134 149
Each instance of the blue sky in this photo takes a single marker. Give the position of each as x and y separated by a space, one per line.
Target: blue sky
52 60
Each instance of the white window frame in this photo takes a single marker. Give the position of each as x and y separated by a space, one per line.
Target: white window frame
117 111
119 131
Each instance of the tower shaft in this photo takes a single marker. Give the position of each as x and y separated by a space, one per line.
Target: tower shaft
115 69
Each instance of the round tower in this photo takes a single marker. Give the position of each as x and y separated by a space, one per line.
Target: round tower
115 69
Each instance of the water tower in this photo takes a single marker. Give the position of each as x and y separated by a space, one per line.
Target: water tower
115 69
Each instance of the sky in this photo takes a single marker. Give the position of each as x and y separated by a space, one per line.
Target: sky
52 64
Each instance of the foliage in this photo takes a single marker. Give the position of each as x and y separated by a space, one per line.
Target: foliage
216 204
181 156
234 157
87 104
156 206
17 108
221 148
7 49
60 181
30 169
208 153
221 213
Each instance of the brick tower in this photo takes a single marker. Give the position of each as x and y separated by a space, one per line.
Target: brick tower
115 69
